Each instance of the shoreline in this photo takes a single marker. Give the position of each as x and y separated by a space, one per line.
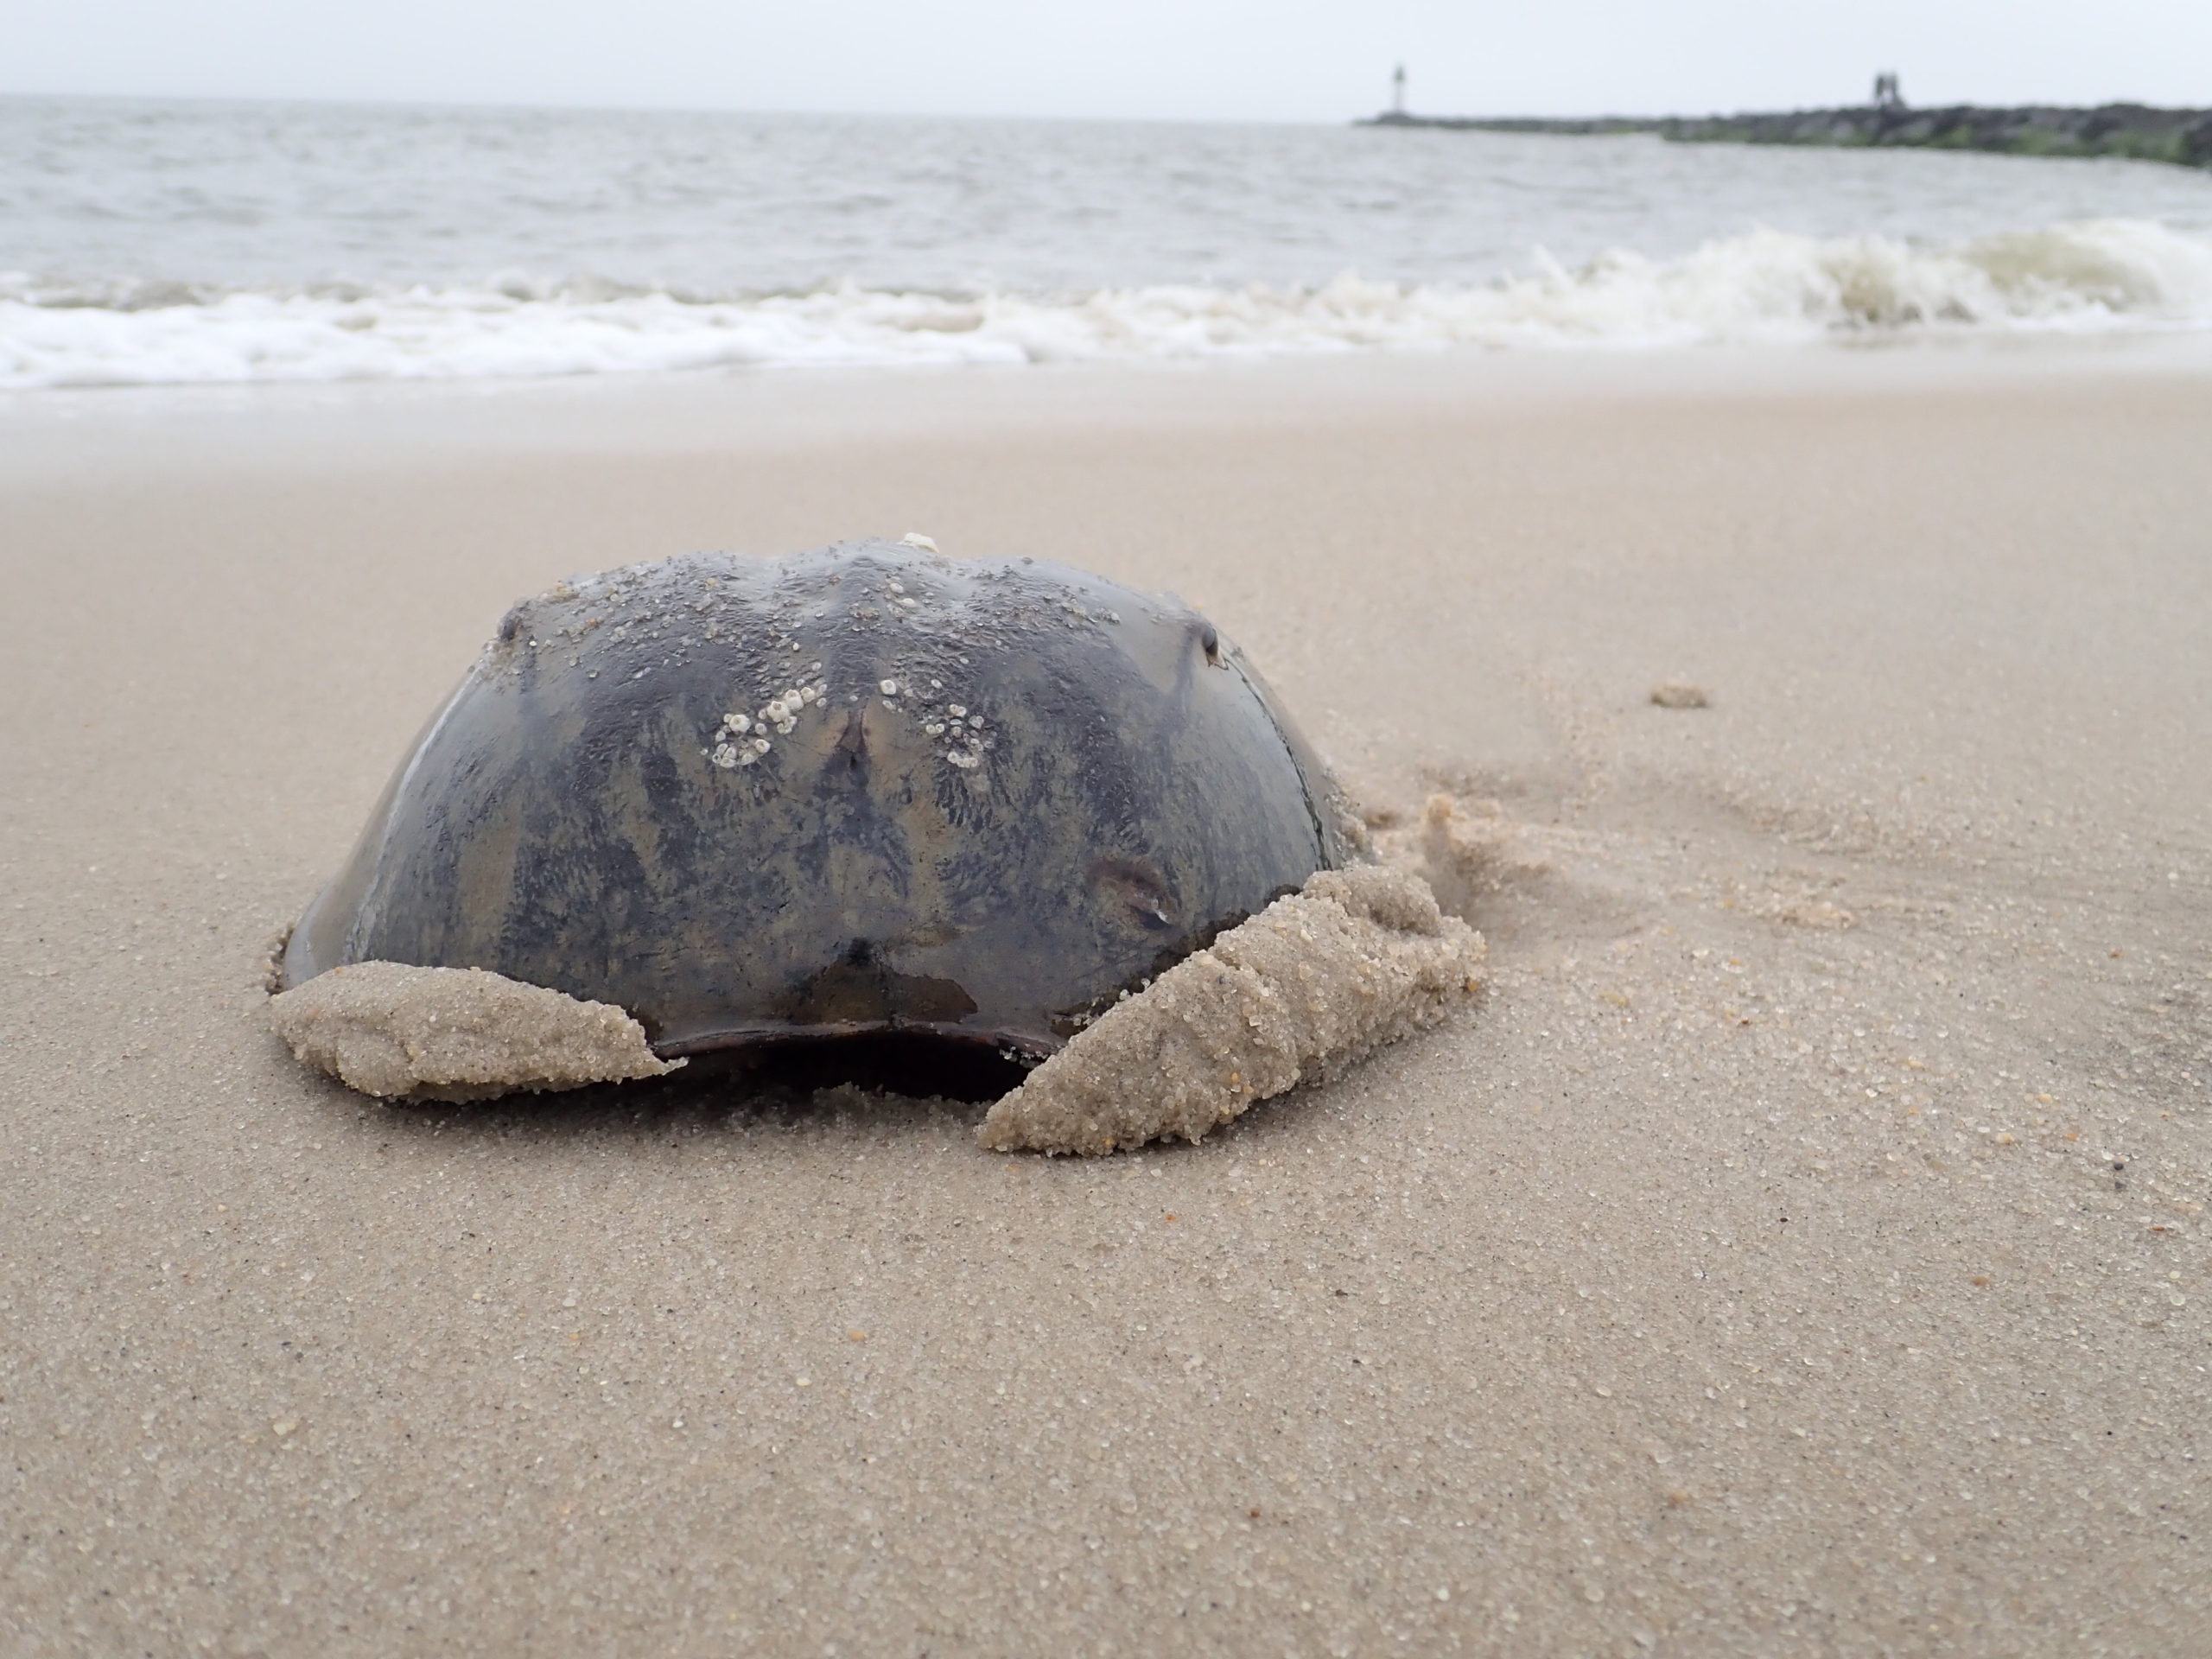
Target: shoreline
221 429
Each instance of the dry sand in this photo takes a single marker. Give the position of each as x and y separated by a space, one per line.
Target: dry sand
1802 1249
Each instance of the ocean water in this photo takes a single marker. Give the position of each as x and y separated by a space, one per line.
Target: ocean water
148 242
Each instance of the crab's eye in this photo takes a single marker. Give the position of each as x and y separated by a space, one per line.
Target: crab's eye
1210 642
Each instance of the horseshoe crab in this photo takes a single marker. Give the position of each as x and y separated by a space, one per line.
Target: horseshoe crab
862 792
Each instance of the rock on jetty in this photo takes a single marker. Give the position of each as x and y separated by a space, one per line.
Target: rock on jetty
2135 131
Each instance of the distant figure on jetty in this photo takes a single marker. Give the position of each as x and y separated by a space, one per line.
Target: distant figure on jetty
1886 95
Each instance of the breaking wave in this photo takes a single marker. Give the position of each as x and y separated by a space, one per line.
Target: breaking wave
1764 286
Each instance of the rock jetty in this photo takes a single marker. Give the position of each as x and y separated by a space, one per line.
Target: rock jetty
2134 132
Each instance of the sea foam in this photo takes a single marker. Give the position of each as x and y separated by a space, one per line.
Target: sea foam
1766 286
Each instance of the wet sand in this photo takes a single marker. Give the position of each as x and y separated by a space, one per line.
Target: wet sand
1802 1249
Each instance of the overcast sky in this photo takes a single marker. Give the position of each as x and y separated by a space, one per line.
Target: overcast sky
1229 59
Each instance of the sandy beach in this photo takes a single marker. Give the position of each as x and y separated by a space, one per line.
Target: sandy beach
1802 1249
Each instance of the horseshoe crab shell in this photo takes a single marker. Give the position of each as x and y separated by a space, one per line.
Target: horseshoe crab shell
856 791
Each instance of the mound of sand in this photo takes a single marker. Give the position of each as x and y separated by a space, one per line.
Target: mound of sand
1357 959
456 1034
1468 852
